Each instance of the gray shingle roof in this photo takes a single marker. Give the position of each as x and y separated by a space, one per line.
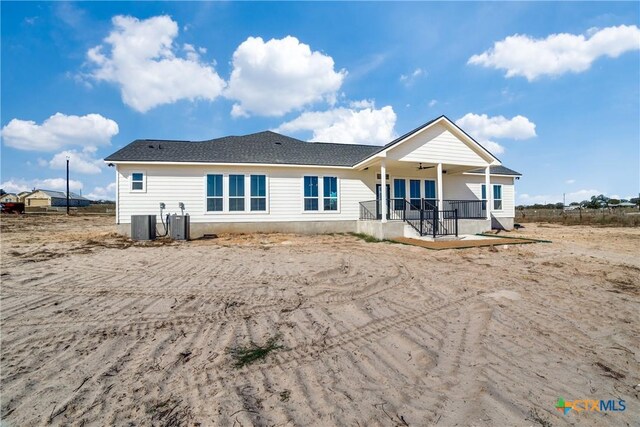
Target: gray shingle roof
259 148
497 170
61 195
263 147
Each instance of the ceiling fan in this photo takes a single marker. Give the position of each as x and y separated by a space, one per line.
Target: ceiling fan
425 167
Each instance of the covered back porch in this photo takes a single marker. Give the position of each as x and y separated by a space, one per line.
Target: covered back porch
435 199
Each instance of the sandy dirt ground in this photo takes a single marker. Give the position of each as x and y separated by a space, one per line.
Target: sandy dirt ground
99 331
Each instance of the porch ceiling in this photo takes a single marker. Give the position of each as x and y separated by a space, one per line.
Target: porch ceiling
399 165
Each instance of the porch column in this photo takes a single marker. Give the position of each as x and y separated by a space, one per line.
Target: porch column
488 192
383 189
440 198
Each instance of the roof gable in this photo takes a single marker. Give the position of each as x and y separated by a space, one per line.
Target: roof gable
441 122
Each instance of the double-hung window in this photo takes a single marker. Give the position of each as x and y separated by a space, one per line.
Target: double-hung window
310 193
258 193
414 193
214 193
137 181
236 193
330 191
497 197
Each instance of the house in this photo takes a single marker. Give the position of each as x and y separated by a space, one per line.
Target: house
623 205
436 180
46 198
9 198
23 194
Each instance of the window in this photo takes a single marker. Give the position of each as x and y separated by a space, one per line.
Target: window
310 193
399 193
430 193
214 193
330 191
258 193
484 197
497 197
137 181
236 192
414 193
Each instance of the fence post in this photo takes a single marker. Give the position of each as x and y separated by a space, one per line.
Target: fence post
455 216
435 221
421 222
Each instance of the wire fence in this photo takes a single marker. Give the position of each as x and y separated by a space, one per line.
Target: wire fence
624 217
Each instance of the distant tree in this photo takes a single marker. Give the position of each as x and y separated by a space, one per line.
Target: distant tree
613 202
574 204
2 192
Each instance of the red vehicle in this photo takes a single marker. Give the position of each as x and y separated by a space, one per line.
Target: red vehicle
12 207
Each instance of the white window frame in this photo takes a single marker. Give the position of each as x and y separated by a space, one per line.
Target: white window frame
266 193
323 197
247 193
244 192
207 197
144 182
321 194
501 199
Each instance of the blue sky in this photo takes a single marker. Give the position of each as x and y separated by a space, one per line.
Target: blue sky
552 88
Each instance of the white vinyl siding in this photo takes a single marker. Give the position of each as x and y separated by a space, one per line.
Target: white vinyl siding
469 187
173 184
436 145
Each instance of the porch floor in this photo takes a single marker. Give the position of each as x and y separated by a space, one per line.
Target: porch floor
462 243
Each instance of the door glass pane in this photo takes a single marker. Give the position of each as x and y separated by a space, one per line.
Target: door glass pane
399 188
429 189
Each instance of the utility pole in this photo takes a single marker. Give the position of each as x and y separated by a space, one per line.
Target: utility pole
67 185
564 199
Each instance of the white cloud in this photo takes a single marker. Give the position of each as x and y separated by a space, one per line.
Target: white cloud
278 76
409 79
14 185
364 103
570 181
58 131
575 196
346 125
142 60
484 129
79 162
521 55
103 193
433 102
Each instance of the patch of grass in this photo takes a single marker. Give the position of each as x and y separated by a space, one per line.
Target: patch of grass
285 395
367 238
246 355
170 412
